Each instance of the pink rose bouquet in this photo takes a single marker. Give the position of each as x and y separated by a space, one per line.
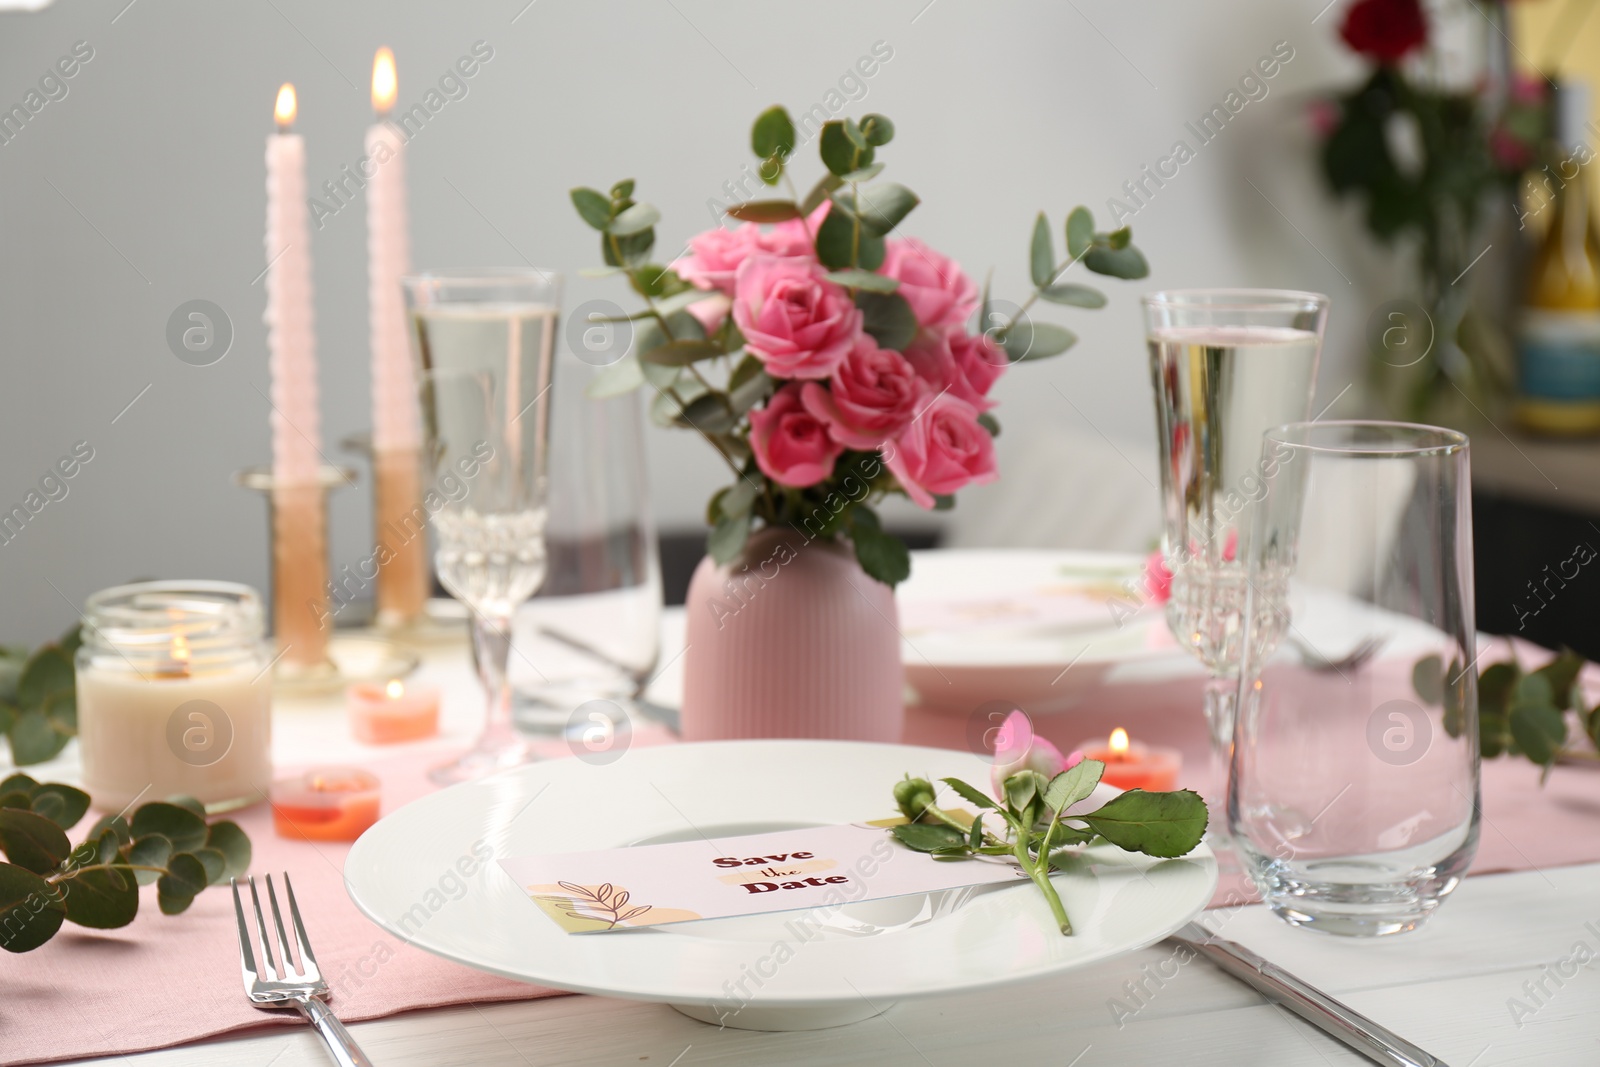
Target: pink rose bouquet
830 361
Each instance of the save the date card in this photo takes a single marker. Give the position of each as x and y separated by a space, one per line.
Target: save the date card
823 867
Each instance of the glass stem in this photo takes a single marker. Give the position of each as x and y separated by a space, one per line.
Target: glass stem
491 652
1222 698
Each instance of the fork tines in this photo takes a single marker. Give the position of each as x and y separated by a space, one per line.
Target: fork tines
281 970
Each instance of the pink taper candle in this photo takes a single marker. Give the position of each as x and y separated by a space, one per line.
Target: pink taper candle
291 342
394 390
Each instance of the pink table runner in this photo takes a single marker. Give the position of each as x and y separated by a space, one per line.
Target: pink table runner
165 981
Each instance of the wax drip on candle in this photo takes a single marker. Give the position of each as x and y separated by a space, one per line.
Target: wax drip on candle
286 107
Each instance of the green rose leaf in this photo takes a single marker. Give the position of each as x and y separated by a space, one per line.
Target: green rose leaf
970 794
1126 262
185 829
101 899
49 671
765 211
1021 788
883 207
864 279
877 129
728 537
32 841
1427 678
1080 232
61 804
1073 784
593 207
152 850
1166 825
636 219
928 837
185 878
1028 340
616 379
888 318
1082 296
773 133
31 911
1041 253
35 739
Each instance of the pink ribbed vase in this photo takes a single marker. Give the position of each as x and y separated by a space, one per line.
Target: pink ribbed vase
792 639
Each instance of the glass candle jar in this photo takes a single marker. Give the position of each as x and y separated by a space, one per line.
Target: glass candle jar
175 695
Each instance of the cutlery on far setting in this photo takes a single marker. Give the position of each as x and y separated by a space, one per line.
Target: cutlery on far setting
1355 659
283 985
1340 1021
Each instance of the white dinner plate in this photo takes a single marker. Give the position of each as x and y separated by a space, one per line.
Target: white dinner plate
423 874
1040 628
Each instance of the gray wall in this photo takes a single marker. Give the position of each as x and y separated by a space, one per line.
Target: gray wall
143 188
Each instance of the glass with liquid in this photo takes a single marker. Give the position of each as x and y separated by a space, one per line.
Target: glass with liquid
1226 365
485 348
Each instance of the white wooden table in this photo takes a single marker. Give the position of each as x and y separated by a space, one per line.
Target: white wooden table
1448 987
1451 987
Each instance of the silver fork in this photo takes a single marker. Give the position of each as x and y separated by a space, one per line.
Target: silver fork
280 984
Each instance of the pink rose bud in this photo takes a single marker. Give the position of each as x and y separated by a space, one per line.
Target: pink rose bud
872 396
939 294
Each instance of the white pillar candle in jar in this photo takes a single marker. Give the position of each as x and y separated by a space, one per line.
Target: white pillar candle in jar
174 695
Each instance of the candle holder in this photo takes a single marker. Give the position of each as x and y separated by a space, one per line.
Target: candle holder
311 658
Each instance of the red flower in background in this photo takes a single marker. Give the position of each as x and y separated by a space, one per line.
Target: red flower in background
1385 29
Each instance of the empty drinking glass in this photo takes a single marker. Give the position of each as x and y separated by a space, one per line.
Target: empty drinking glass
590 637
1354 789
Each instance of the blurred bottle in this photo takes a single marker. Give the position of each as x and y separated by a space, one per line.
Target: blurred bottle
1558 343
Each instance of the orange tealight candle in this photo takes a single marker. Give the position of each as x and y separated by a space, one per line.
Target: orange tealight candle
325 804
384 714
1130 765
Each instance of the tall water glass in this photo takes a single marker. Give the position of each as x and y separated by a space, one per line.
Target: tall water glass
1353 796
1226 364
592 634
484 342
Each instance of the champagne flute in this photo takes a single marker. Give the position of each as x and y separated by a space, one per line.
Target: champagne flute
1227 365
484 341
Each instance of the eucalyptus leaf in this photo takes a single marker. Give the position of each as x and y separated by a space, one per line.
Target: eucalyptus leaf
115 823
62 711
865 174
837 240
1427 678
18 783
1041 253
622 190
773 133
187 802
1495 686
152 850
883 207
49 670
215 863
1082 296
67 805
882 555
839 153
616 379
877 129
31 911
1120 238
709 413
1539 730
864 279
728 537
102 899
636 219
819 192
176 890
737 499
1126 262
765 211
32 841
182 827
668 307
1080 232
593 207
746 392
888 318
1028 340
1562 674
35 739
681 353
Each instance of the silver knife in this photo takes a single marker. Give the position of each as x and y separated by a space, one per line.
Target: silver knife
1344 1023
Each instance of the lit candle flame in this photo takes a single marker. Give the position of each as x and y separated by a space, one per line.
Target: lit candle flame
285 110
395 689
384 85
180 649
1119 742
